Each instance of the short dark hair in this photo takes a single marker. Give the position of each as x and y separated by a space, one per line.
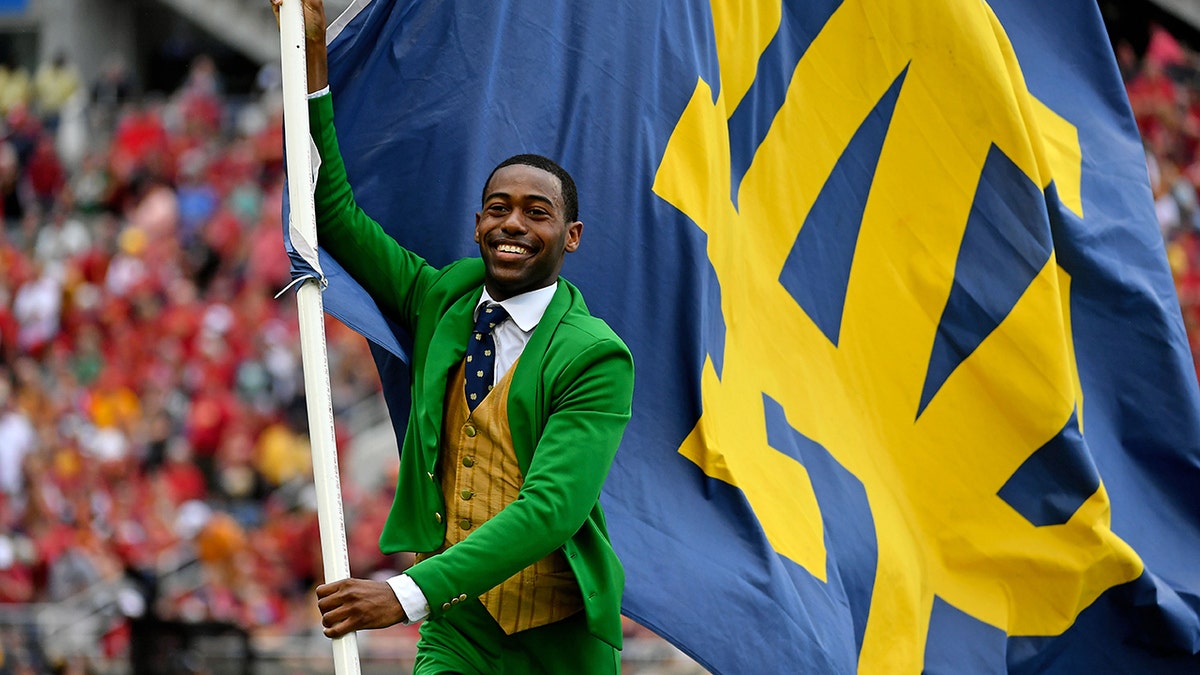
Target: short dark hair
569 196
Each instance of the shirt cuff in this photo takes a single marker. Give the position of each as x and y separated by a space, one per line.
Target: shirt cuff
416 607
320 92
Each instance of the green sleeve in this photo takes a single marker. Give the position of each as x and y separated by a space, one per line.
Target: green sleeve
395 278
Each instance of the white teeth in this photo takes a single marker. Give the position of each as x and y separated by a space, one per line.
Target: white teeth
509 248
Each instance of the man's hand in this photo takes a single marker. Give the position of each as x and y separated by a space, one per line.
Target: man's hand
314 18
314 37
357 604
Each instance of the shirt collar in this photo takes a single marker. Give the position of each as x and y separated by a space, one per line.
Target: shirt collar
526 309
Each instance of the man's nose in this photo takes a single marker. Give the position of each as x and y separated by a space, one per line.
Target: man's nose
514 222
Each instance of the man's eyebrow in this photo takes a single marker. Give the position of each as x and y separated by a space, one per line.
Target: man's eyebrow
505 195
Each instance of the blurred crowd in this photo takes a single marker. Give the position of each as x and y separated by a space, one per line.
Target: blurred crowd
153 434
153 437
1163 84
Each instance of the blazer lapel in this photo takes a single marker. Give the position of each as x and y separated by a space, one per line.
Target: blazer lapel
446 348
526 396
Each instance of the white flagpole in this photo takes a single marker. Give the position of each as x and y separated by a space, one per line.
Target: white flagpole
313 355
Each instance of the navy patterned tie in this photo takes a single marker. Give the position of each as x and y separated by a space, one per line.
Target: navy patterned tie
481 353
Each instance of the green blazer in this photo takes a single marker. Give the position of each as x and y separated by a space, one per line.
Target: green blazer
568 405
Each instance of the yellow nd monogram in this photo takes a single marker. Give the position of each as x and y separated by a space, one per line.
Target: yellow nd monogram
931 479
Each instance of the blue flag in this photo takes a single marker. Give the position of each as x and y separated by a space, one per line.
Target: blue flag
913 391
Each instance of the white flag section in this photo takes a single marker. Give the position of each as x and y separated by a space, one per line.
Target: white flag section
330 518
304 240
336 26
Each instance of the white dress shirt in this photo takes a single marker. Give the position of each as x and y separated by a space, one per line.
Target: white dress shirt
511 336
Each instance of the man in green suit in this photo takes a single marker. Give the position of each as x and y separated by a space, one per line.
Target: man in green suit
524 579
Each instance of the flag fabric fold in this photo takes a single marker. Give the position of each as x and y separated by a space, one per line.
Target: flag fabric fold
913 391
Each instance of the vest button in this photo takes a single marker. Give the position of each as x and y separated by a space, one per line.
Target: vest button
470 431
468 461
466 494
464 524
437 517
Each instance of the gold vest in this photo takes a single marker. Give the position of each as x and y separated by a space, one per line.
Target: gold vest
480 477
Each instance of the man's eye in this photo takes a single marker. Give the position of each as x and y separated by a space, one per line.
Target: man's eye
496 208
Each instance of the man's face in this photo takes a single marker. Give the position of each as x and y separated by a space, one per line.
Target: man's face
522 231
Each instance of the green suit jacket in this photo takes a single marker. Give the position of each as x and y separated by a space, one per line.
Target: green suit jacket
568 405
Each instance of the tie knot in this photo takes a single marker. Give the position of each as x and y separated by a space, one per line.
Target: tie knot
490 316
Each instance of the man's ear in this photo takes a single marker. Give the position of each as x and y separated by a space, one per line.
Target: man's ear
574 232
478 217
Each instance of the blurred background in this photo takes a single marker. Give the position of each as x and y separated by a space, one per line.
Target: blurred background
156 507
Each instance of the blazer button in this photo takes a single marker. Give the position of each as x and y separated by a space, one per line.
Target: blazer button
466 494
437 517
464 524
445 606
470 431
454 601
468 461
463 596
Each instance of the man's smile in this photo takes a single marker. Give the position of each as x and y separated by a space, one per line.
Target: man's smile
510 249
